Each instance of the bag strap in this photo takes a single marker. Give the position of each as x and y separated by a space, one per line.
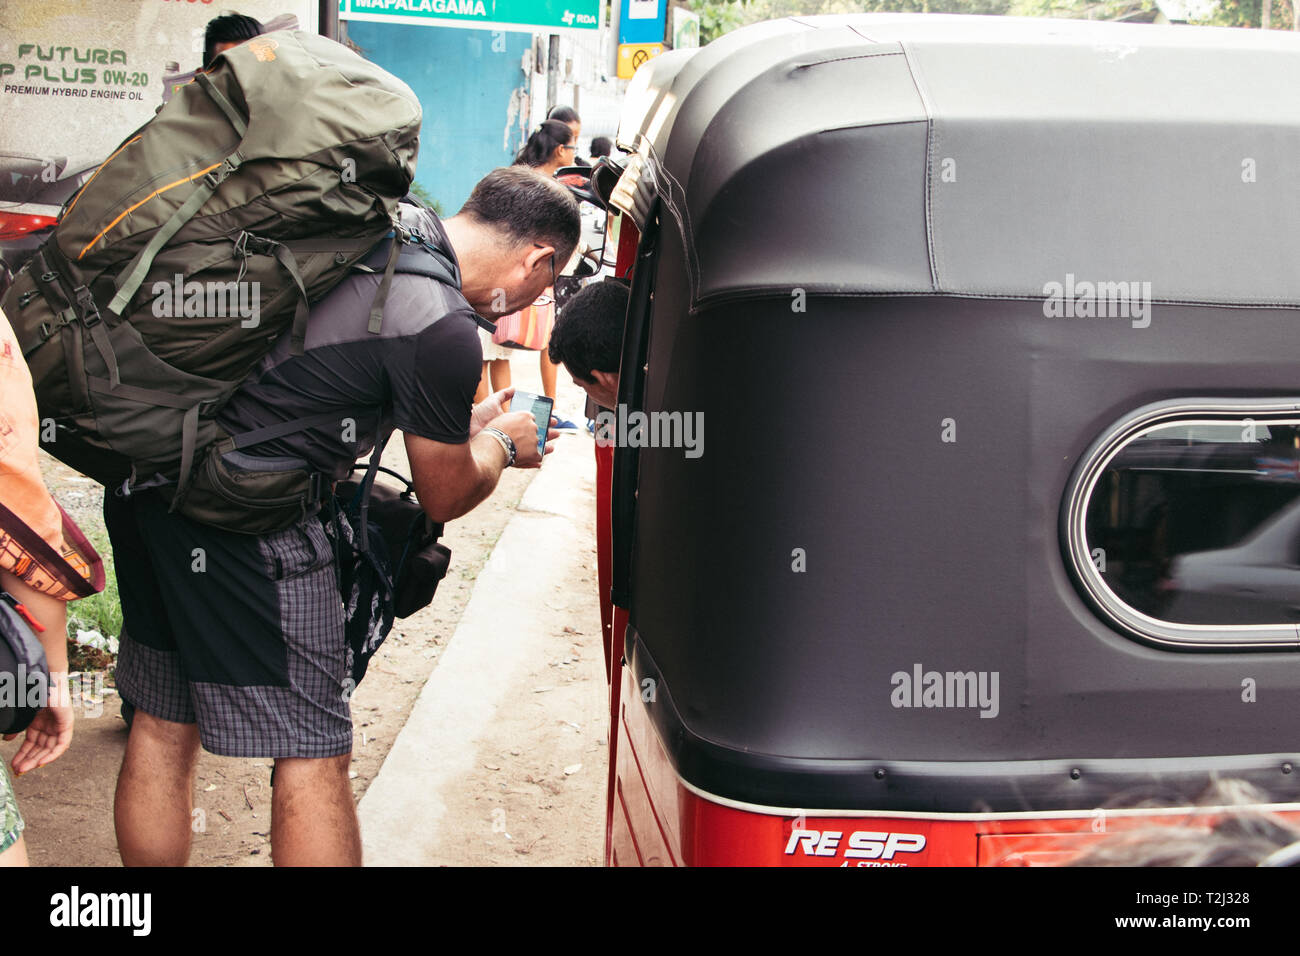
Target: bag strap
381 295
50 559
189 423
257 436
59 282
283 253
410 485
416 256
405 251
298 335
47 278
232 114
368 482
423 258
128 282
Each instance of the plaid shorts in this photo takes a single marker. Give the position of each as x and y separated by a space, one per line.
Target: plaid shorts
239 633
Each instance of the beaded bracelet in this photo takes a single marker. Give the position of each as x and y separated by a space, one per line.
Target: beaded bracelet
505 441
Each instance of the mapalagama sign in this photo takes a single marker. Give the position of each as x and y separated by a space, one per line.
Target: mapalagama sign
550 16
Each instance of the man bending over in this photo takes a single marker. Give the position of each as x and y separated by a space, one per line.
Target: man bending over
243 651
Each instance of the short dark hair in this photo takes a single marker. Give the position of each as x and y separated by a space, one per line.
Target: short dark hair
565 114
588 332
527 207
601 146
227 28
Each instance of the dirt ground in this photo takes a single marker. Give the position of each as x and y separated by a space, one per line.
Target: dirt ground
537 797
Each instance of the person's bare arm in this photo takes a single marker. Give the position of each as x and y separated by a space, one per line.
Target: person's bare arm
451 480
51 732
50 613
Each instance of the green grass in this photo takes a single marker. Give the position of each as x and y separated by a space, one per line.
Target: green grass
101 612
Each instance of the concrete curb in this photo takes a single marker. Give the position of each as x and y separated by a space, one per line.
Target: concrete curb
485 662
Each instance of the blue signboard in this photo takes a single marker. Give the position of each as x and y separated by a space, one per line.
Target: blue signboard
642 21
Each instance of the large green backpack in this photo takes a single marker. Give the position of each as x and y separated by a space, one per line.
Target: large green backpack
200 241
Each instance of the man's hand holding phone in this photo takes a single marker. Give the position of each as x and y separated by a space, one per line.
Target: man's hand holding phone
524 423
522 429
493 406
541 407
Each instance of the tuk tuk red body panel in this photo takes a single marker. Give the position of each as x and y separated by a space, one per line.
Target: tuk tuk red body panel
658 820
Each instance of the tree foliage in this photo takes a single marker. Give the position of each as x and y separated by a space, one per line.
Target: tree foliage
1249 13
722 16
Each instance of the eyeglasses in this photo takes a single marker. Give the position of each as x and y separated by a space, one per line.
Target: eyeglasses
552 261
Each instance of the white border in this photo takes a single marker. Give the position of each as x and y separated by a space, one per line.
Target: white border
1010 815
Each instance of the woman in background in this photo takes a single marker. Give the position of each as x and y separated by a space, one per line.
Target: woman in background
570 118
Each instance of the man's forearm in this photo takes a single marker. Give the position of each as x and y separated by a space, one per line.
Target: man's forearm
489 462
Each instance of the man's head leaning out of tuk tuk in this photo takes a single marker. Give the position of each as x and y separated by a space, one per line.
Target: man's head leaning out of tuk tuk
588 339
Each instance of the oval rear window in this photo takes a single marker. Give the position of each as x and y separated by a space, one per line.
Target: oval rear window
1182 524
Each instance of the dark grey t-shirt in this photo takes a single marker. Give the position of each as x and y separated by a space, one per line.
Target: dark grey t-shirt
418 374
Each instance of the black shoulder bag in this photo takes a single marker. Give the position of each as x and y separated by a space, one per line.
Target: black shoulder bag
390 561
22 658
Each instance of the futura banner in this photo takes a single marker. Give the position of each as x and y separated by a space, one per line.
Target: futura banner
77 78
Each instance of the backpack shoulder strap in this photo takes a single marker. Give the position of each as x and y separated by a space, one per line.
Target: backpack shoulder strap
207 183
405 251
415 256
427 260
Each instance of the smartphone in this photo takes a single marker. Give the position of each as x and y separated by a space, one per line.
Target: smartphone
541 407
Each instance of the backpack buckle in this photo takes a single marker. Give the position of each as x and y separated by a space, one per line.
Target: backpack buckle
90 316
220 174
247 244
48 329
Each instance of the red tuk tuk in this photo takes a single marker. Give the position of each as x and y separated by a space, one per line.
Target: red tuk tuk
992 325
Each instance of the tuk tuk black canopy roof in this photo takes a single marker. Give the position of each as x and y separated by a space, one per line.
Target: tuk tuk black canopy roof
974 156
925 180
